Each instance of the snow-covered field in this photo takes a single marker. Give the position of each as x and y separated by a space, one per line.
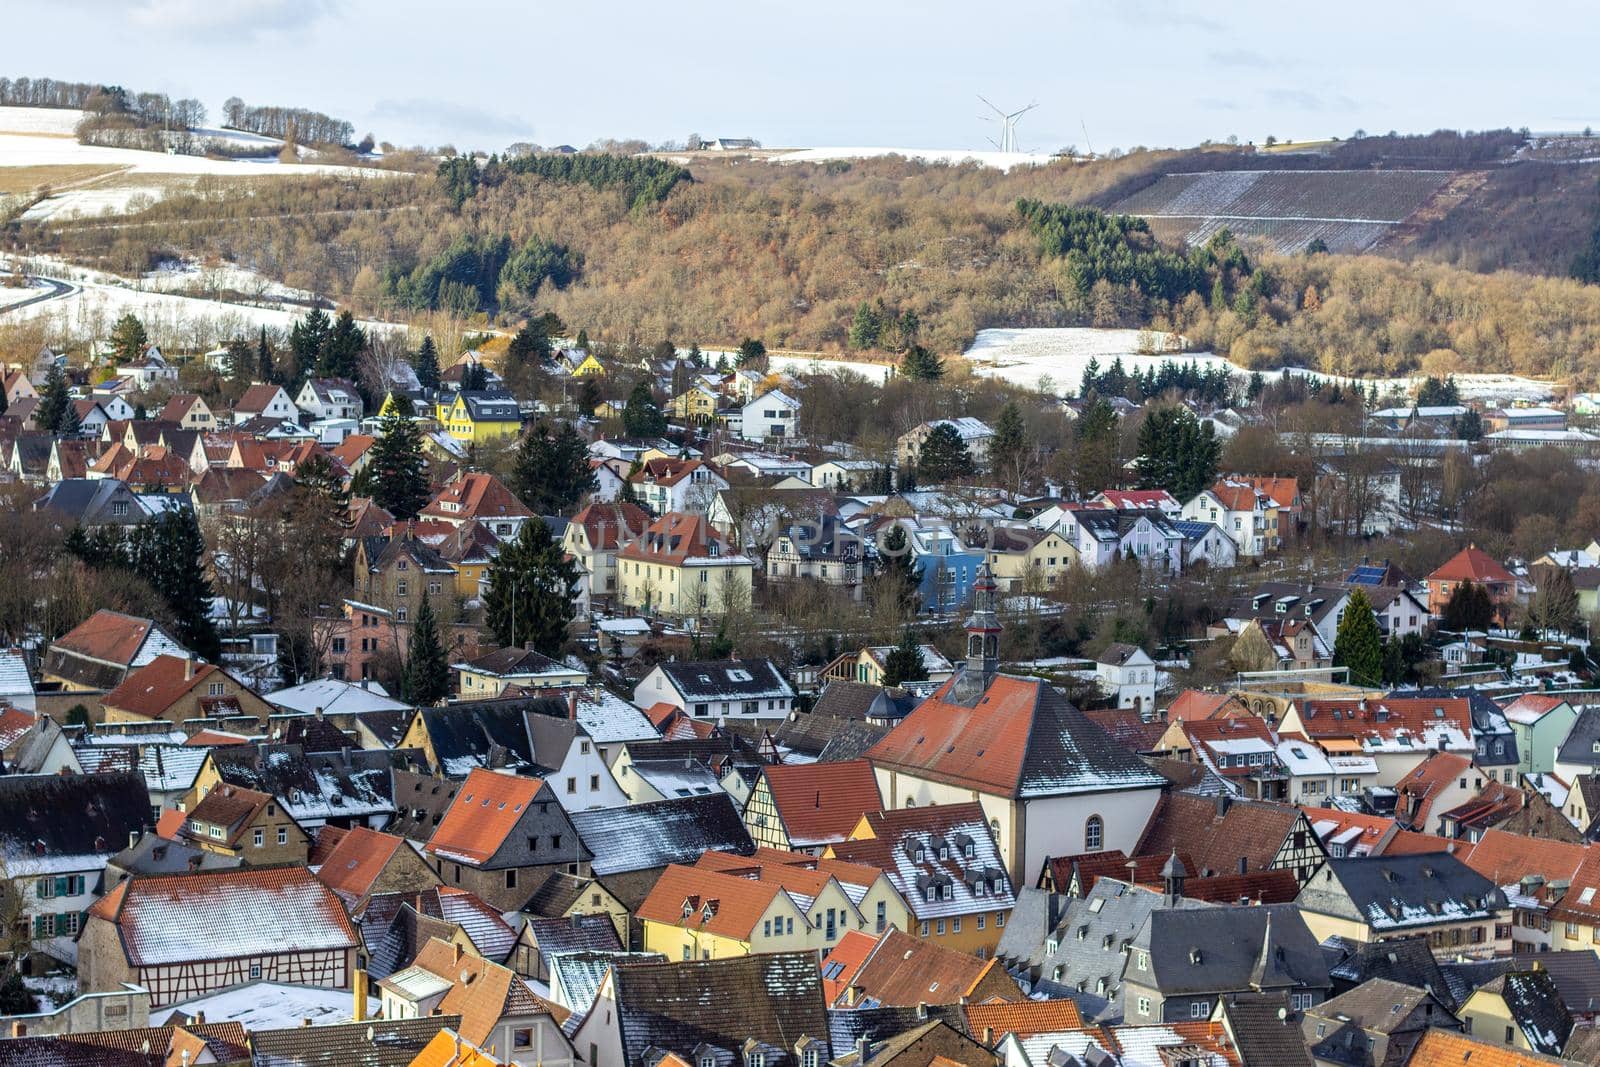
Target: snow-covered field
876 373
196 279
998 160
1027 356
9 296
41 137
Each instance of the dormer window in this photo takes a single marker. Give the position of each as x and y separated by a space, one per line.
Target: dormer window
755 1058
707 1060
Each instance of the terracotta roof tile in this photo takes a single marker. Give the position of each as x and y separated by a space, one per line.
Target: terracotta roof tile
485 811
821 803
842 962
1250 831
674 538
904 971
107 635
722 904
476 495
152 689
1471 564
608 525
1444 1048
1024 1019
356 860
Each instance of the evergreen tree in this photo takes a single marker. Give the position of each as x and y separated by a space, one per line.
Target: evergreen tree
1097 459
552 472
265 372
1257 383
904 664
866 327
474 377
751 351
169 553
641 417
241 360
1176 452
1469 608
426 679
589 395
944 456
898 568
306 338
428 364
128 339
1009 447
397 472
1358 644
531 592
340 354
1091 378
582 343
55 413
921 365
15 996
531 344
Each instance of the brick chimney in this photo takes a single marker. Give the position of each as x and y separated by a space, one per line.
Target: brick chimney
358 990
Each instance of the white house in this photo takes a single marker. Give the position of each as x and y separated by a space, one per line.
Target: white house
1244 514
149 371
974 433
113 404
747 689
1101 535
1204 542
268 401
333 431
774 414
844 474
329 398
1128 673
92 417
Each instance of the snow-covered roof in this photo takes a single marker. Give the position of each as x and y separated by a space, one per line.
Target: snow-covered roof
607 718
14 677
334 695
1303 758
267 1006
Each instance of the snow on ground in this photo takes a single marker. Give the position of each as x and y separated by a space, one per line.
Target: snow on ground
1027 356
238 139
10 296
62 121
989 158
197 279
876 373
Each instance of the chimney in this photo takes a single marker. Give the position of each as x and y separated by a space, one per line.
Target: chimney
862 1048
133 837
988 1036
305 1023
572 704
457 946
199 1018
19 1028
1222 804
188 670
358 990
318 712
922 1009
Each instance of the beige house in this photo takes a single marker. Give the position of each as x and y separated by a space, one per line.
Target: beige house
682 567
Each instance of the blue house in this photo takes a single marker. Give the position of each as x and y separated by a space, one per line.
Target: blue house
948 569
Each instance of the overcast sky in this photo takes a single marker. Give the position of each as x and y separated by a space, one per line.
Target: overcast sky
484 73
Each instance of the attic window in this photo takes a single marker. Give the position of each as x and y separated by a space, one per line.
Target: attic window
1194 956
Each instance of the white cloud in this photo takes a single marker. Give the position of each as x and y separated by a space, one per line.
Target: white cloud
224 19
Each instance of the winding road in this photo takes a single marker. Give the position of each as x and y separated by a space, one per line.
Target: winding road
58 289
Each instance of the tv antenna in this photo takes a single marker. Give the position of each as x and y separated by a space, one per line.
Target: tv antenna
1008 125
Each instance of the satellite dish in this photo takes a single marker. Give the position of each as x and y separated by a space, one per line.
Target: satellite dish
1283 1013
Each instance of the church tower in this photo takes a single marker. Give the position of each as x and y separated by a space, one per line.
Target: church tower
983 642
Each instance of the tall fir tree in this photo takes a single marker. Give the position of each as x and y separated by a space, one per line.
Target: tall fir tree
641 416
306 338
898 570
1008 449
552 472
944 456
128 339
865 327
169 553
1358 644
428 364
904 663
751 351
340 354
1469 608
531 590
426 679
266 371
56 413
397 473
921 365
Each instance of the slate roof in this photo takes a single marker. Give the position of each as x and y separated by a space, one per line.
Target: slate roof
646 836
1392 893
420 803
152 855
248 912
576 933
1577 978
820 803
1407 960
773 998
314 786
34 834
1268 947
1579 745
578 975
1535 1004
1220 834
1021 739
480 734
902 834
393 1043
879 1024
726 679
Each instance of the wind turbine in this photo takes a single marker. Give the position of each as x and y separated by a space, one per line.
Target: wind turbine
1008 125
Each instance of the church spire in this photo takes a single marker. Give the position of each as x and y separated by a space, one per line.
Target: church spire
983 640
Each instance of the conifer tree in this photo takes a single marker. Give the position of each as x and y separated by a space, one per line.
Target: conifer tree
426 679
1469 608
944 456
128 339
1008 448
921 365
865 327
265 372
552 471
340 354
641 417
904 663
397 472
1358 644
169 553
898 571
428 364
531 590
55 413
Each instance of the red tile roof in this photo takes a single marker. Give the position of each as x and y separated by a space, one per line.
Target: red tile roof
841 964
1235 496
476 495
250 911
357 860
990 1023
722 904
152 689
1281 491
821 803
1471 564
1198 704
107 635
1504 858
1426 782
675 538
486 809
1384 716
608 525
903 971
352 448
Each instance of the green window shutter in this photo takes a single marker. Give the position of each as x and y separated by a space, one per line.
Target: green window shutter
63 885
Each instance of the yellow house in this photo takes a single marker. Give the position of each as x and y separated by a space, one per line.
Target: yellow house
945 865
695 913
867 666
588 365
1506 1012
1029 559
876 903
489 675
681 566
698 403
480 418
